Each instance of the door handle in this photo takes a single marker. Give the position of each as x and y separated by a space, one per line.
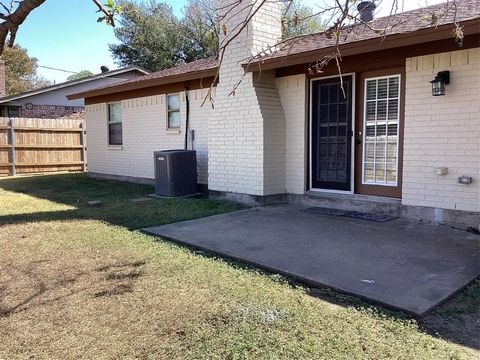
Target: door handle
358 141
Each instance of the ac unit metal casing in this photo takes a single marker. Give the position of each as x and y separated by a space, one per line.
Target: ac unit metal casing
175 172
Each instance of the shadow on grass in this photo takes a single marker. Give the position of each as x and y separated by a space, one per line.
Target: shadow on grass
117 207
47 286
456 321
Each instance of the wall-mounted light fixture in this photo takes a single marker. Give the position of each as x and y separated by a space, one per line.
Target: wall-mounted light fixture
438 84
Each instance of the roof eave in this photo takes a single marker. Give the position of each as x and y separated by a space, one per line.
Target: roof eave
63 85
145 84
366 46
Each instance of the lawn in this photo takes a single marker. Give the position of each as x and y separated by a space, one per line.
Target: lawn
82 282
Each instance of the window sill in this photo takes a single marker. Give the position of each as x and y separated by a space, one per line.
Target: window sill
173 132
115 147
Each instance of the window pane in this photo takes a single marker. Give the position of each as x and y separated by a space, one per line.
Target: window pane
174 120
381 110
369 152
392 132
391 173
115 112
173 102
115 134
371 89
392 153
392 109
393 87
13 111
371 111
368 175
382 89
380 172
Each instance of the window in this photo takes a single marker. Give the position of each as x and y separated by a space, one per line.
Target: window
115 124
10 111
173 116
380 133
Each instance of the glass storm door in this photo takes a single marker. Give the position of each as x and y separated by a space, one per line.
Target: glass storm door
332 133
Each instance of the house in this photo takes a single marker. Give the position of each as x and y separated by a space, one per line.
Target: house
375 138
51 101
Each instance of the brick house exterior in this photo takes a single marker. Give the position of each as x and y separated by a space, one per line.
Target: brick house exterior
287 134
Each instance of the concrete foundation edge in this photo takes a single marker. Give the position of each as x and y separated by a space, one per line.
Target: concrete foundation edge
463 219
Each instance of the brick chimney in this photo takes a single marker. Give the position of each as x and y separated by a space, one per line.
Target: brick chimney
240 141
2 79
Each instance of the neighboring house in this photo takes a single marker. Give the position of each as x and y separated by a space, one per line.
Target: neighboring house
51 101
290 133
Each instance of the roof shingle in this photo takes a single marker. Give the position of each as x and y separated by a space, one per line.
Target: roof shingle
400 23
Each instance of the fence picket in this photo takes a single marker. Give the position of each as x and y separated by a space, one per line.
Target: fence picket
41 145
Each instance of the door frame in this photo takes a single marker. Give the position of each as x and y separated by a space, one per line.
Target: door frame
393 191
352 145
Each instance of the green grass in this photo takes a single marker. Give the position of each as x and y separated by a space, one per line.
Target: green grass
63 197
77 282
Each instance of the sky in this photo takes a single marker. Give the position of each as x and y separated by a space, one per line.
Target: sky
65 34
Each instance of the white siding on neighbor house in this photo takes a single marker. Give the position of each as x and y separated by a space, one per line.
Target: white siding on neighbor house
144 129
442 131
292 91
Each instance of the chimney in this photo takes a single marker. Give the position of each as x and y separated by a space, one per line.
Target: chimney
366 9
2 79
104 69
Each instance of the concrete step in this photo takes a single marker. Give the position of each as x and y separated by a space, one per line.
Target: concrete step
350 202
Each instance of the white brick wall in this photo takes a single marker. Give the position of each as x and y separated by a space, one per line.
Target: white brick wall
292 91
442 131
144 131
246 137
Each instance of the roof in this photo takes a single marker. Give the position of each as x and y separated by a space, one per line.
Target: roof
194 70
72 83
409 22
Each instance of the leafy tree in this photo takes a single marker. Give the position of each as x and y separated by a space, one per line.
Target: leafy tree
152 37
299 19
149 36
80 75
200 30
20 71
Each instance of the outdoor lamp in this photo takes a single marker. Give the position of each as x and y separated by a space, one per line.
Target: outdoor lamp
438 84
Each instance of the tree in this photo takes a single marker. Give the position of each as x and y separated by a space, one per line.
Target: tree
14 12
152 37
298 19
80 75
149 36
200 30
20 71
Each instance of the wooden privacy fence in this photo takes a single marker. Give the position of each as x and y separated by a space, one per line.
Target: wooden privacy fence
41 145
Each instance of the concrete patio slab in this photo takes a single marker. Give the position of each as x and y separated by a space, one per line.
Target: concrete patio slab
401 264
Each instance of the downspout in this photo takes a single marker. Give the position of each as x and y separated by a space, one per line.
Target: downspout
187 113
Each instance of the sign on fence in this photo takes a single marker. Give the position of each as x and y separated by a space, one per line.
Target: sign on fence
30 145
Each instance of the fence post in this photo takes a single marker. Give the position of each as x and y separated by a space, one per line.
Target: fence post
82 142
12 149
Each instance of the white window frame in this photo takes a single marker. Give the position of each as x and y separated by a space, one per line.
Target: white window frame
364 129
170 111
112 123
